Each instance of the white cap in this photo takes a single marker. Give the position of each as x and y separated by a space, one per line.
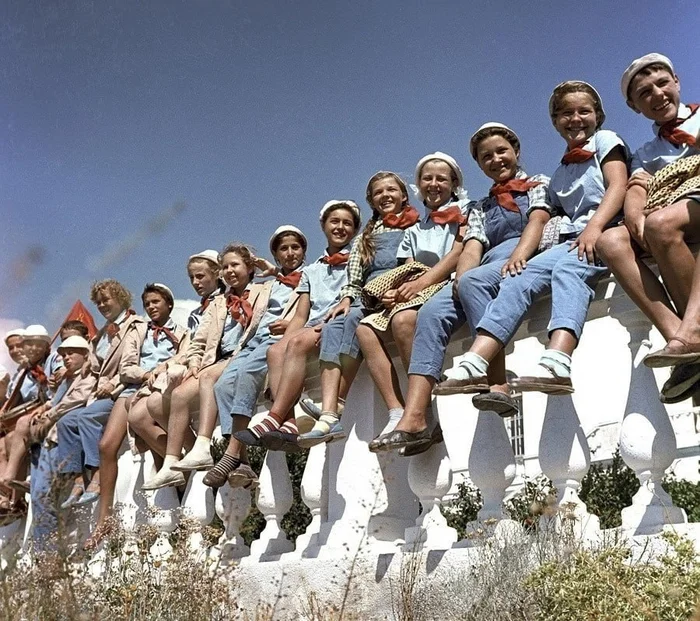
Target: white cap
160 285
74 342
640 63
351 205
36 331
449 160
15 332
492 125
288 228
596 94
207 255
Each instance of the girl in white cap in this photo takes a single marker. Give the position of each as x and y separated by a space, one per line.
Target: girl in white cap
436 242
504 231
318 290
147 350
14 341
588 189
203 270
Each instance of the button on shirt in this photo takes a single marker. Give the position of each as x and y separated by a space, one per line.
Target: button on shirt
323 283
428 242
577 189
657 153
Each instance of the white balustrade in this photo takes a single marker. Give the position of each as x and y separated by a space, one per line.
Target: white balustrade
198 505
232 506
314 493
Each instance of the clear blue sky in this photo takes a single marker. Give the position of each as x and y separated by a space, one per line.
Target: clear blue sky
255 114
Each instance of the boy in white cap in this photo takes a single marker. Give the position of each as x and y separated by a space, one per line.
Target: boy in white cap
651 87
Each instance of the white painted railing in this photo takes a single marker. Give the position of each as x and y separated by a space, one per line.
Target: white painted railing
360 499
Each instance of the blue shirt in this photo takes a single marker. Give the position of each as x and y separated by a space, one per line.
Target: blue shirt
577 189
323 283
279 296
195 317
102 347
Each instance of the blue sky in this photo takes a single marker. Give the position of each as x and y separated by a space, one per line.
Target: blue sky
255 114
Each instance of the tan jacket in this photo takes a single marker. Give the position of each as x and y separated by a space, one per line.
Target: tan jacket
109 369
76 396
130 371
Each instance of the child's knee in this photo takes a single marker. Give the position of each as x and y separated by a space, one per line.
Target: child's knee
276 351
613 244
403 323
662 228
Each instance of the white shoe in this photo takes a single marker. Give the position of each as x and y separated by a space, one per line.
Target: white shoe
193 461
164 478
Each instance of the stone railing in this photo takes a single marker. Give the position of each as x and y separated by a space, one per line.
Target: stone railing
371 501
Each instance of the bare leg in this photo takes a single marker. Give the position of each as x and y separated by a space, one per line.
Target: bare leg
621 254
563 340
276 354
497 373
486 345
185 398
403 328
158 406
668 232
112 439
17 444
418 399
380 366
141 423
235 448
290 387
208 410
689 329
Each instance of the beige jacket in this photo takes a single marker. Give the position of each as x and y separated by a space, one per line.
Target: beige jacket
108 370
130 371
76 396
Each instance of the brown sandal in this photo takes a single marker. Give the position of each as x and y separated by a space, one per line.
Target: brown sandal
670 356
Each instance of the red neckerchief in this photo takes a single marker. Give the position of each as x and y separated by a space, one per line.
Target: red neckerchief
37 372
576 156
291 280
450 215
338 258
239 307
678 137
503 192
408 217
112 329
169 334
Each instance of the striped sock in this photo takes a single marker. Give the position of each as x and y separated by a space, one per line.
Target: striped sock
271 422
226 465
290 426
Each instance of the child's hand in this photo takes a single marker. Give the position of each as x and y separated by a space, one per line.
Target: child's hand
455 288
105 390
191 372
585 243
409 290
514 265
318 328
278 327
341 308
389 299
266 268
640 179
636 228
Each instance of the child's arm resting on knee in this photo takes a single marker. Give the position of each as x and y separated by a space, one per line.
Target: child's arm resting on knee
469 258
296 323
635 199
614 168
527 246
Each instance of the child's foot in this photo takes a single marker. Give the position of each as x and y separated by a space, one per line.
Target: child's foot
677 351
468 375
92 493
199 458
165 478
327 429
551 375
395 415
281 441
422 447
243 476
397 440
218 475
75 494
500 402
683 384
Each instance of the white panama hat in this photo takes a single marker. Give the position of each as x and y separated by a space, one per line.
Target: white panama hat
640 63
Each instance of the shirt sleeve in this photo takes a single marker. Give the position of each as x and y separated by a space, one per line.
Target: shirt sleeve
405 249
356 273
538 197
606 141
476 229
304 285
636 165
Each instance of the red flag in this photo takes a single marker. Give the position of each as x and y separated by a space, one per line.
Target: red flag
79 312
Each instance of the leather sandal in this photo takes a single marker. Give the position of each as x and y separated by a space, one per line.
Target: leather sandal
503 404
547 385
462 386
435 438
400 439
670 356
683 383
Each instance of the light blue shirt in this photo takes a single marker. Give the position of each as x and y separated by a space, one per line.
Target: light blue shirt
279 296
657 153
61 391
233 331
30 388
577 189
323 283
195 317
428 242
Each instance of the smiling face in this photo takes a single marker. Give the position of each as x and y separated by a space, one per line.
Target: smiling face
203 277
73 358
157 307
576 119
656 95
436 183
35 349
109 306
289 252
387 197
235 272
339 228
15 347
497 158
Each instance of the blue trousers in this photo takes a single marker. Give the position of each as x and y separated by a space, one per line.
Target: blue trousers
238 388
558 271
442 315
79 434
338 336
44 496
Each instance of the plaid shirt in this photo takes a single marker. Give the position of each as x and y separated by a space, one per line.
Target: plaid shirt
538 198
357 272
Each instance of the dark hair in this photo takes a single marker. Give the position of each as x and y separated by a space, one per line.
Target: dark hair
160 290
578 87
648 70
114 288
366 242
276 241
495 131
77 326
246 252
353 212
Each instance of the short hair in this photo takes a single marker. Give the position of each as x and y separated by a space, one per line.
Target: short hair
568 88
114 288
153 287
354 212
77 326
275 244
495 131
246 252
648 70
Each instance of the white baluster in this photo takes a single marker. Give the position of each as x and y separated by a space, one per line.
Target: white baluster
198 504
274 500
565 458
647 443
430 478
314 493
162 513
232 506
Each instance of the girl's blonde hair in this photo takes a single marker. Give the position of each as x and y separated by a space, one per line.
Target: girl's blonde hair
114 289
246 252
574 86
366 244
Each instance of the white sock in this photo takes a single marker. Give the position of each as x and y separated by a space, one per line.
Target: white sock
169 460
469 365
201 445
395 415
325 422
556 362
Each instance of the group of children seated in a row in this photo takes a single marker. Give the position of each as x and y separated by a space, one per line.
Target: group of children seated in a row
409 276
